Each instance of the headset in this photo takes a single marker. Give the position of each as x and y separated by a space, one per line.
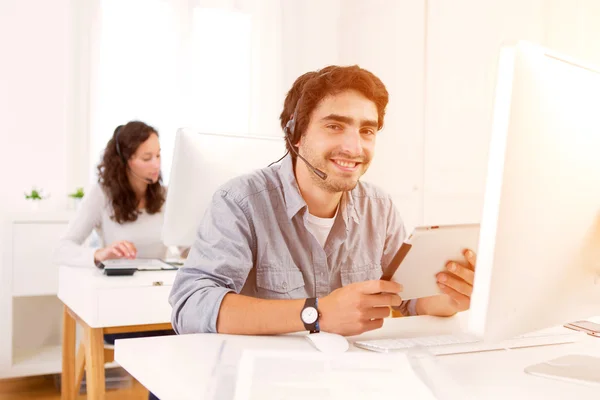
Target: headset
289 132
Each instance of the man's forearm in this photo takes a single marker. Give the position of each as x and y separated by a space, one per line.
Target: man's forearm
245 315
435 305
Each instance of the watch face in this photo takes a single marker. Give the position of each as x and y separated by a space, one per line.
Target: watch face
309 315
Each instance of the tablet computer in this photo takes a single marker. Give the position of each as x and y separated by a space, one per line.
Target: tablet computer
129 267
426 253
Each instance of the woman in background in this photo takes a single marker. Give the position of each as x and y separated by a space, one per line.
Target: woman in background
125 208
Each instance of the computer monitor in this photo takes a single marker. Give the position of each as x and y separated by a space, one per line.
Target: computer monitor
539 245
202 162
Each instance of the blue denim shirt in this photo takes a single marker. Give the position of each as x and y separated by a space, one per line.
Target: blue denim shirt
254 240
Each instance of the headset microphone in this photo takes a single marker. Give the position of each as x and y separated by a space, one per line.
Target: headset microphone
289 130
147 180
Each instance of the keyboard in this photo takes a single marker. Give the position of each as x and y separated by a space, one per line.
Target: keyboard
463 343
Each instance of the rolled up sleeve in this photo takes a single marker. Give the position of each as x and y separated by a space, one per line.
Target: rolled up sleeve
218 263
408 308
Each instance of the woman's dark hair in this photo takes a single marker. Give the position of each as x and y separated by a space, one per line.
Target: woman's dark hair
112 173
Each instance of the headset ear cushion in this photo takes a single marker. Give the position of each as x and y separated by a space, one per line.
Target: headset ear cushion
291 124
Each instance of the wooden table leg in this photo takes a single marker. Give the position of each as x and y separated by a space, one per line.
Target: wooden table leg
68 357
94 362
79 367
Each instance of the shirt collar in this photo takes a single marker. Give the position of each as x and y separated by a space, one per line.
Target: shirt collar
294 201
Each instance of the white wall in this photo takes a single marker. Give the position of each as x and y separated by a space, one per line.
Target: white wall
36 99
573 27
41 119
463 42
308 46
463 39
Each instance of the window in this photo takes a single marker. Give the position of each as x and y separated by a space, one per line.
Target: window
170 68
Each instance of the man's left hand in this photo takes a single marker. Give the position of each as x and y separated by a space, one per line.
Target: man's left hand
457 281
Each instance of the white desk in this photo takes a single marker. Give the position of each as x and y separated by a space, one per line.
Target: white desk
106 304
181 367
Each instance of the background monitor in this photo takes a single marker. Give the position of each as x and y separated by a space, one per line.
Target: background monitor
202 162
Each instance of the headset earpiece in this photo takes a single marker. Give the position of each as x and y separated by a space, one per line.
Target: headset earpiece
290 126
119 147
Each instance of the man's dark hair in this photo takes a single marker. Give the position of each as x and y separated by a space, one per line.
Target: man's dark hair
312 87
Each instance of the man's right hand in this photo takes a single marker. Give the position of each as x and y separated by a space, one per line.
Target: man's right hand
119 249
358 307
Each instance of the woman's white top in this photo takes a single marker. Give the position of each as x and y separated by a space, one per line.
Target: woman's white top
95 214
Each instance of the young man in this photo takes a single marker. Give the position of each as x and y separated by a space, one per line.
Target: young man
301 245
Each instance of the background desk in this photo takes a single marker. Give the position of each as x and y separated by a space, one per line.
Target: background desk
181 367
103 304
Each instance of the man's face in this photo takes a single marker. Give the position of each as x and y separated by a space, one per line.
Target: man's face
340 139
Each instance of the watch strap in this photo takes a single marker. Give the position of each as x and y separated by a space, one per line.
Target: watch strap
311 302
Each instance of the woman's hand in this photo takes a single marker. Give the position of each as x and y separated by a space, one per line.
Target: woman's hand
119 249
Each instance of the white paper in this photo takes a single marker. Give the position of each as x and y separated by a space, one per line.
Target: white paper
269 375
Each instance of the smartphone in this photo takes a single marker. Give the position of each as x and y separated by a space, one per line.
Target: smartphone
589 327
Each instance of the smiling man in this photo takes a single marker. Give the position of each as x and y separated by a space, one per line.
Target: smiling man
301 245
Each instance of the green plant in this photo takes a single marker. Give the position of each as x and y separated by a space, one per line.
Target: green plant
78 193
35 194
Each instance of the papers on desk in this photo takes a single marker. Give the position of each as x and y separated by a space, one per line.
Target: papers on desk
267 375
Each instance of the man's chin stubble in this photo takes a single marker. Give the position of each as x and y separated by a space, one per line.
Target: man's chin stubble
336 187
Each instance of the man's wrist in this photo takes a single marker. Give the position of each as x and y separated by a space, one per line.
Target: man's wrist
420 307
439 305
309 315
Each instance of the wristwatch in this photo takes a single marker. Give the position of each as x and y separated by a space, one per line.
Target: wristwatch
310 315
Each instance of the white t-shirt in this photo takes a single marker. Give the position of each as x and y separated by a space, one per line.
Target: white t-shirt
95 214
320 227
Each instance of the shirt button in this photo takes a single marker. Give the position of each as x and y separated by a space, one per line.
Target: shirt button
284 285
